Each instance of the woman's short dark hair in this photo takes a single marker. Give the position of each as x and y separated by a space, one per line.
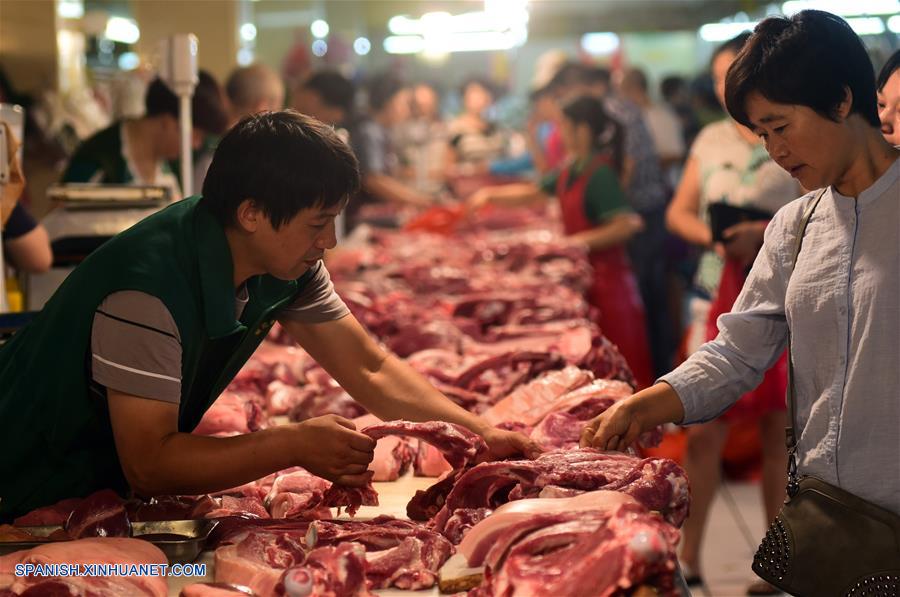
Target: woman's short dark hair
207 106
606 132
285 161
892 64
810 59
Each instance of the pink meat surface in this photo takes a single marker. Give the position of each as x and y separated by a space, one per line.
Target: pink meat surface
479 540
430 462
105 550
411 565
657 483
459 445
232 412
330 572
57 514
211 589
529 403
611 552
227 505
298 494
257 559
392 454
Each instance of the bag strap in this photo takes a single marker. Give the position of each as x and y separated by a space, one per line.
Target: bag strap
790 435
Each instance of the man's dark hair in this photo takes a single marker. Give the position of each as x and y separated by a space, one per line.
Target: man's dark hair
671 85
569 74
207 106
482 82
598 74
335 89
382 88
284 161
733 45
892 64
810 60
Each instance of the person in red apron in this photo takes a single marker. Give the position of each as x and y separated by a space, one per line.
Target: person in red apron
596 214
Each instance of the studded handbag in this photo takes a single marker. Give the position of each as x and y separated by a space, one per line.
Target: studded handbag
827 541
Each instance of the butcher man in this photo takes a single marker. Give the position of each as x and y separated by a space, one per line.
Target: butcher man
104 386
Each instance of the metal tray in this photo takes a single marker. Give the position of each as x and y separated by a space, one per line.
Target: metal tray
181 540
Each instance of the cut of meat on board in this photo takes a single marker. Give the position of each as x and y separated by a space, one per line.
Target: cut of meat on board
298 494
659 484
459 446
462 520
263 555
257 559
503 525
613 552
530 403
54 515
232 413
411 565
329 572
97 550
429 461
101 514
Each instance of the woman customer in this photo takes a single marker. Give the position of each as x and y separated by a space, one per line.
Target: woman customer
595 214
806 86
728 165
888 85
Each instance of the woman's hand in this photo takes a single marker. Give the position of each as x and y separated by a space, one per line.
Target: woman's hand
620 425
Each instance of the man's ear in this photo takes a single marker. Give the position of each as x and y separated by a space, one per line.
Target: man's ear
248 215
843 109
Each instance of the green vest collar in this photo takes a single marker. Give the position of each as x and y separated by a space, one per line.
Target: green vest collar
216 269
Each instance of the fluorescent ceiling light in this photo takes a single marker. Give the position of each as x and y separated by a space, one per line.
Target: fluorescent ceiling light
844 7
600 44
245 56
894 23
122 30
248 31
319 47
362 46
319 28
867 25
129 61
404 44
70 9
716 32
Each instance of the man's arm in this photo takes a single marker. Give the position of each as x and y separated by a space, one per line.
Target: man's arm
387 386
157 459
30 252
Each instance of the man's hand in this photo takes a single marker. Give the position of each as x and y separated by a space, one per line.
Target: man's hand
331 448
742 241
503 444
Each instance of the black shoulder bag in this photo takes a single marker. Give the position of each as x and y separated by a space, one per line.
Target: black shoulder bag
827 541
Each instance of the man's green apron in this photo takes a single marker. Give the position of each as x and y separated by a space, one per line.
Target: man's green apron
55 436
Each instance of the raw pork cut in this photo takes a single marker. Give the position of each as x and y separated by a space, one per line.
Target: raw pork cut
611 552
412 565
329 572
657 483
393 454
257 559
298 494
105 550
101 514
459 446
